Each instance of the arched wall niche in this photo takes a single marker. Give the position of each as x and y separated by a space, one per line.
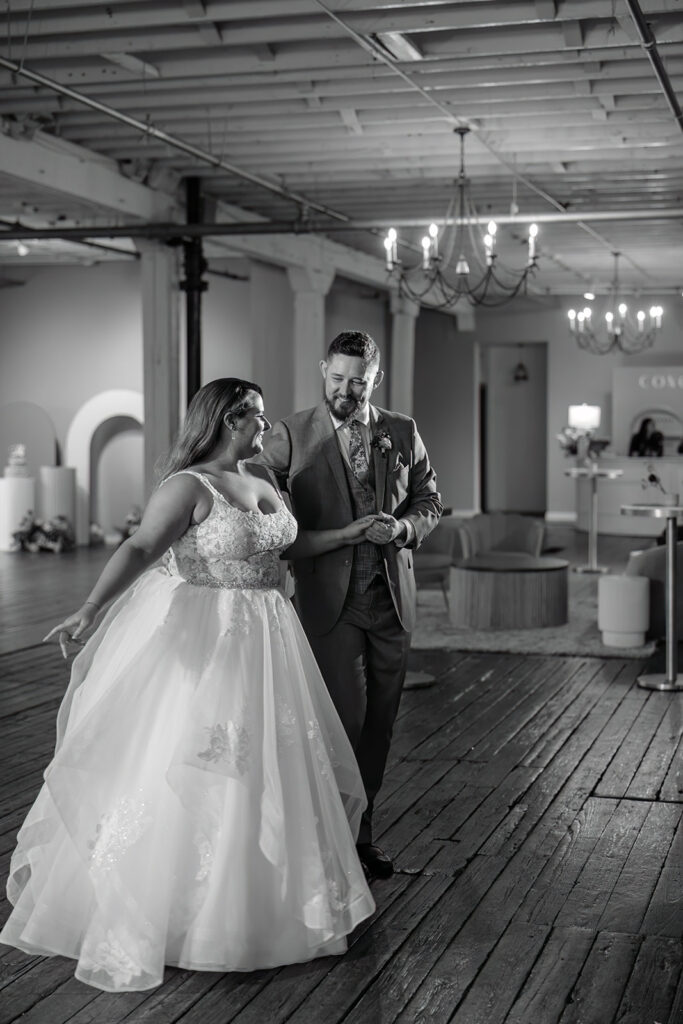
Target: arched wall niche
118 405
116 472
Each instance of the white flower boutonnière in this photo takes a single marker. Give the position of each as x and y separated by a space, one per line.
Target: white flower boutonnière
382 442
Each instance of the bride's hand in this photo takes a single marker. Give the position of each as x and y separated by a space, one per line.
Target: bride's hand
355 532
72 628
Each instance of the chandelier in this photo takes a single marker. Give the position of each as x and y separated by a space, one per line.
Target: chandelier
479 275
621 330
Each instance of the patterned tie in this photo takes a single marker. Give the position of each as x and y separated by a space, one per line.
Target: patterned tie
357 454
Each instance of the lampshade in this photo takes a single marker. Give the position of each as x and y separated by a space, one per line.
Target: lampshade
584 417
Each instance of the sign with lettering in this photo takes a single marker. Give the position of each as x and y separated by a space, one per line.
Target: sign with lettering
654 393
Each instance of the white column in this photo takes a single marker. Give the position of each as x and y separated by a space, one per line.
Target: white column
161 351
403 316
309 285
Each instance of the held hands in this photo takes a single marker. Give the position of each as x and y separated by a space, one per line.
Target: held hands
384 529
71 629
378 529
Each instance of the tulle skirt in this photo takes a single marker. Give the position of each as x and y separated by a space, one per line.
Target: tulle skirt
203 800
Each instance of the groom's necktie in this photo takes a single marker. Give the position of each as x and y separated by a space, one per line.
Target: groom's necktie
357 454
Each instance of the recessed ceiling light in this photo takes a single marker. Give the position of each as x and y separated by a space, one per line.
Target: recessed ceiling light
397 45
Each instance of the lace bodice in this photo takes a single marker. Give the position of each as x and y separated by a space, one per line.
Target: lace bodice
232 548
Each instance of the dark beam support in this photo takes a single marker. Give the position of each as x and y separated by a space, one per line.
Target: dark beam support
193 285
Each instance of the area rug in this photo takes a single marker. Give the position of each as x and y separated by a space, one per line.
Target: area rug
579 636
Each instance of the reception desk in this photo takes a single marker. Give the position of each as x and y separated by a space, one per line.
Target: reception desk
628 490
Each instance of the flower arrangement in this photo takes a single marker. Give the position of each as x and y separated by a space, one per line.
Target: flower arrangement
382 442
569 438
575 441
33 534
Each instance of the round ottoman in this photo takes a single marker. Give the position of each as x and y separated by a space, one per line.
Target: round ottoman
508 590
623 610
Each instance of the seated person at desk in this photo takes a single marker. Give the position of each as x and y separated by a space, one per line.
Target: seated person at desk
647 441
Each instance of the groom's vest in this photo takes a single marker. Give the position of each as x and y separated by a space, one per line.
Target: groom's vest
367 557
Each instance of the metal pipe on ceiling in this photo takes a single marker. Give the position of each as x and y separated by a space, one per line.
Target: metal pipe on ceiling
172 140
649 44
173 232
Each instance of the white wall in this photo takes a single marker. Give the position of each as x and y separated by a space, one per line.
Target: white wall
445 405
271 312
69 333
226 345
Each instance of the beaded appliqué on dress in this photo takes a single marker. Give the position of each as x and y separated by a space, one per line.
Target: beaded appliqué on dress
232 548
117 955
228 743
118 830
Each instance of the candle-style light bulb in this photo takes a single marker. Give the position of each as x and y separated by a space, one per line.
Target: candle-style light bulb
393 239
434 235
533 231
623 309
426 248
488 249
640 316
572 320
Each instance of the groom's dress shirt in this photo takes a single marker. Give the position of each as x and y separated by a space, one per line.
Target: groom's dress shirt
366 422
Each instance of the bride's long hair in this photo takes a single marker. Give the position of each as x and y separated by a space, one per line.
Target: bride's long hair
203 422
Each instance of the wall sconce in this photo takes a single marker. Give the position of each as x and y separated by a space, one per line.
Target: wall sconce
520 373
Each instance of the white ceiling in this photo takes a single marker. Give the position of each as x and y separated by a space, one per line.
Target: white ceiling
559 92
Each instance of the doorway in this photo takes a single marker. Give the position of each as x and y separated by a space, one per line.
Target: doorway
514 428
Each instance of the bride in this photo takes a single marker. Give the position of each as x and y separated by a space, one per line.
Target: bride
203 800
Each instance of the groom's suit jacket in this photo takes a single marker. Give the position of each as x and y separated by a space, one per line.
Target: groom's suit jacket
303 452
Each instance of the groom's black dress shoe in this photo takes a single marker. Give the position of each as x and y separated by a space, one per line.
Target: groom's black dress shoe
375 861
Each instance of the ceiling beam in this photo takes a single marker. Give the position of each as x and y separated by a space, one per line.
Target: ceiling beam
77 174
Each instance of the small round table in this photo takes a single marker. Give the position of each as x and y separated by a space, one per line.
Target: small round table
667 680
593 473
509 590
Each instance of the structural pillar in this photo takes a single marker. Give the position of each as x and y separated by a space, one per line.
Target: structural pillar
403 316
193 284
161 350
309 285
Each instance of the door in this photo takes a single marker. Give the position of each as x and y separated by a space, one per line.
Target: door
516 428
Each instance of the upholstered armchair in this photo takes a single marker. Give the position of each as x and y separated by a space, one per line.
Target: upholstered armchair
501 531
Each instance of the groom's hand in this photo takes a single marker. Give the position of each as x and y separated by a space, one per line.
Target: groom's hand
385 529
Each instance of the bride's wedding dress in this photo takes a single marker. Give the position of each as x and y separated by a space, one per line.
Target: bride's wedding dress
203 800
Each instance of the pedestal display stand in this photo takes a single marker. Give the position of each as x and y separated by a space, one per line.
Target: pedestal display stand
17 499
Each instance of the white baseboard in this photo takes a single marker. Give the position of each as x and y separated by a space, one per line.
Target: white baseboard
560 517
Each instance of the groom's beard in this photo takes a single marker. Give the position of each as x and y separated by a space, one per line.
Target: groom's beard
343 408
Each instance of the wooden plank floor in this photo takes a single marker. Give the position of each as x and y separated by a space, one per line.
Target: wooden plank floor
534 806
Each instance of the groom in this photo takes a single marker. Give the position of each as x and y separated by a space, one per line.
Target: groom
339 461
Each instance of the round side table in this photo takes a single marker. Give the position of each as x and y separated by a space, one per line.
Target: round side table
667 680
593 473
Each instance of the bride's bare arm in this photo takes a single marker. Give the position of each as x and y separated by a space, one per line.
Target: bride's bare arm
317 542
167 516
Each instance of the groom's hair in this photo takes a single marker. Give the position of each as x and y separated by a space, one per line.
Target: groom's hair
355 343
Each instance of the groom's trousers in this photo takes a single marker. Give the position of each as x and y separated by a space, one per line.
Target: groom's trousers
363 661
